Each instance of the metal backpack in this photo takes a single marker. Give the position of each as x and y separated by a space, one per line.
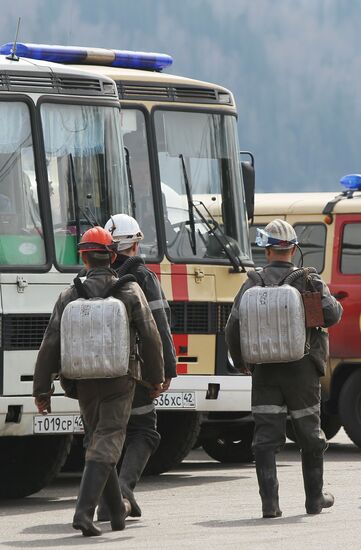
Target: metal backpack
272 321
95 339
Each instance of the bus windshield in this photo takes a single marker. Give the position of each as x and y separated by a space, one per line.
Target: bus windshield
201 182
86 171
21 229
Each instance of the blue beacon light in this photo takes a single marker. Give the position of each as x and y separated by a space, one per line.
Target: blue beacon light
90 56
352 182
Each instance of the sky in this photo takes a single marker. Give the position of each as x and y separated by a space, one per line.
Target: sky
293 66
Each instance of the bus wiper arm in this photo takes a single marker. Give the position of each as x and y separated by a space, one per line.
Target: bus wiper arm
76 199
130 181
77 207
190 206
233 258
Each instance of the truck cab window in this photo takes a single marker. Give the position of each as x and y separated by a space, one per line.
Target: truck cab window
312 241
351 249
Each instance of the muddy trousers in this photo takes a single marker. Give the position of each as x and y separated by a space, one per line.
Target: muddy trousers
105 406
278 389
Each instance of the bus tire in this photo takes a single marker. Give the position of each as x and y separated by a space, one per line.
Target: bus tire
229 448
330 424
349 407
29 463
179 431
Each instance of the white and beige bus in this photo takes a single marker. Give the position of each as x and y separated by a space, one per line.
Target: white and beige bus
61 163
181 135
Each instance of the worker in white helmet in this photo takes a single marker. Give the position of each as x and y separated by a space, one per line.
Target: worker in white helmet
281 388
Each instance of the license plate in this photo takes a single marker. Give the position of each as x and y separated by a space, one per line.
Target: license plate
57 423
176 400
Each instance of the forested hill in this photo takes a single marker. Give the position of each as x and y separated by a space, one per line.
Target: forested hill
294 66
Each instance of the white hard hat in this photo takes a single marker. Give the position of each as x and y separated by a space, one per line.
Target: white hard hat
125 230
278 234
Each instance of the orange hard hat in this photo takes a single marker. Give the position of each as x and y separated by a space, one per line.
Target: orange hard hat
96 239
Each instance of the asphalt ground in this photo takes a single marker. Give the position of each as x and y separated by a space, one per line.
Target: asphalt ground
203 505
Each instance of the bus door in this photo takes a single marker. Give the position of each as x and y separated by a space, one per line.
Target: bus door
345 338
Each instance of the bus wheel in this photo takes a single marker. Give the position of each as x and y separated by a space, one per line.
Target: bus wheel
179 431
330 424
349 407
230 448
29 463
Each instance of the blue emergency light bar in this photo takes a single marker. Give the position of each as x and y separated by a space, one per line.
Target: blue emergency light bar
352 182
90 56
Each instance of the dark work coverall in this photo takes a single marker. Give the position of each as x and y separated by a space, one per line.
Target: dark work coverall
281 388
105 404
142 438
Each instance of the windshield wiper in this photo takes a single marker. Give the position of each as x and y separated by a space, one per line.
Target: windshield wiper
233 258
192 236
76 199
78 209
130 181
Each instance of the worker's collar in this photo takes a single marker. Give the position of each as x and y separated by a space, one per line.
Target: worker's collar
99 271
279 263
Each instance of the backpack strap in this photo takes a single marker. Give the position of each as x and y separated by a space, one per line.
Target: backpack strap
119 283
256 278
80 288
130 265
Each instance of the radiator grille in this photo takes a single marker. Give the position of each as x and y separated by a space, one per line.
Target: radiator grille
23 331
223 311
198 317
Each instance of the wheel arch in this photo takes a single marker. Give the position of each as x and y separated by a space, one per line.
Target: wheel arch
339 376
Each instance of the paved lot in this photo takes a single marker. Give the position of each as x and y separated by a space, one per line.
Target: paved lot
203 505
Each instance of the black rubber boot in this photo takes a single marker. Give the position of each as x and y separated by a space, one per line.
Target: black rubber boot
92 484
268 483
316 499
135 460
112 506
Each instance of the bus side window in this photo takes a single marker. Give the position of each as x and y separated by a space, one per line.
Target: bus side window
351 249
312 241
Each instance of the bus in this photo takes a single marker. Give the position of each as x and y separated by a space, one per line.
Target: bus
192 200
62 164
328 226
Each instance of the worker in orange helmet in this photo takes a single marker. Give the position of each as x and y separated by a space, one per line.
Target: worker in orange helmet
104 392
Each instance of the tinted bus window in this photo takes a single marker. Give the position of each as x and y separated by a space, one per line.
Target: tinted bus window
351 249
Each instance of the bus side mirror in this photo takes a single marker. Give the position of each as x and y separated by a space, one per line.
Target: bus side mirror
248 173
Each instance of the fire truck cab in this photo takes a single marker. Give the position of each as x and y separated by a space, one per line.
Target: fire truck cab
328 226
